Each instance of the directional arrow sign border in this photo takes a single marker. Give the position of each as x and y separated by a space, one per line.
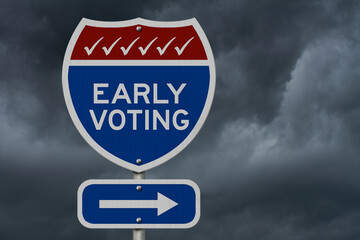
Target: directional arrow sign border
142 183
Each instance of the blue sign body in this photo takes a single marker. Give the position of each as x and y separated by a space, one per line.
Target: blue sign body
138 139
138 203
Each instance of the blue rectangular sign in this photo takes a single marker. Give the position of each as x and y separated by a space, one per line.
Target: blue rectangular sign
138 204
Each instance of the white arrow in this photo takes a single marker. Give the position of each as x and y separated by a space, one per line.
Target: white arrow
162 204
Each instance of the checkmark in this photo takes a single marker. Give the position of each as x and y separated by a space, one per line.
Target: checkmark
143 51
107 51
89 51
180 51
161 51
125 51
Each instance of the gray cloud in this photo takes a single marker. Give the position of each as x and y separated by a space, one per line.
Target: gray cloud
276 159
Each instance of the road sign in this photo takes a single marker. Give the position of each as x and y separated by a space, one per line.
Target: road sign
138 204
138 91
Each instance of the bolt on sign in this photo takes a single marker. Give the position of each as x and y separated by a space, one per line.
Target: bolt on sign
138 91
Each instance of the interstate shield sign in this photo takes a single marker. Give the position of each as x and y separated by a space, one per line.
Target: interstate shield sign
138 91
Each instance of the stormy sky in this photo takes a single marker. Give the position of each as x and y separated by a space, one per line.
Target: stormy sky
278 157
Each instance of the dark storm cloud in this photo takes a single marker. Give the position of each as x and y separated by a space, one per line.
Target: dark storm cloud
306 160
277 158
259 41
33 43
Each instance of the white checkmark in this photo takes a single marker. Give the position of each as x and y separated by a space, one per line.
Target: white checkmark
107 51
143 51
89 51
180 51
161 51
125 51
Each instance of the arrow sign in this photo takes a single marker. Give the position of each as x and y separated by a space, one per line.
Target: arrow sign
138 204
162 204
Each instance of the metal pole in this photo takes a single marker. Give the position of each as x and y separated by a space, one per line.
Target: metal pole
138 175
139 234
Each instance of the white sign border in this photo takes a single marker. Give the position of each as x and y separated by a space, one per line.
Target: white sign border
76 120
138 182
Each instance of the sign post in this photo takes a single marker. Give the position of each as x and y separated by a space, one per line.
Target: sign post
138 91
139 234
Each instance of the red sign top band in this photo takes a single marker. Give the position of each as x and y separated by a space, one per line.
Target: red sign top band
138 42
